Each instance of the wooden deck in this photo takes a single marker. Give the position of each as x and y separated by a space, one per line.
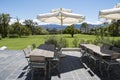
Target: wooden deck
13 66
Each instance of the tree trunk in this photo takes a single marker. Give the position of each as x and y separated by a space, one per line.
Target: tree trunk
72 35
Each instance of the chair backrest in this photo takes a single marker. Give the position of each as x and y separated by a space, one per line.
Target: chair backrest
27 51
37 58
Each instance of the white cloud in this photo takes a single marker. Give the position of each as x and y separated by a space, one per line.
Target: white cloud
21 21
39 22
94 23
12 21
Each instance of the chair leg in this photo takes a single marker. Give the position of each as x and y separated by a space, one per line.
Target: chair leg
49 69
58 69
32 74
45 72
108 74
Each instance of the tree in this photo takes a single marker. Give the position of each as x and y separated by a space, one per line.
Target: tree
84 26
4 23
54 30
19 29
113 28
31 25
71 30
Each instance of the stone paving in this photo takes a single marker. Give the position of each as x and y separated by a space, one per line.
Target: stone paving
13 66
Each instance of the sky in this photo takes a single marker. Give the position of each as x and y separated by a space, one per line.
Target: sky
29 9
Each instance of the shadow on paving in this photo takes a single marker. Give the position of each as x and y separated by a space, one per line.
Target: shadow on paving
70 63
67 64
114 72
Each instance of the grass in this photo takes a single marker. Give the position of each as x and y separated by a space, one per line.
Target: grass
21 43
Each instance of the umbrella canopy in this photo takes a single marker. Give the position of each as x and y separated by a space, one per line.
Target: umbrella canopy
113 14
61 16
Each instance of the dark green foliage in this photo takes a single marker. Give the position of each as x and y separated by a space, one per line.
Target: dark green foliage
53 31
52 40
31 25
116 43
39 30
19 29
4 20
58 42
71 30
85 27
44 32
89 41
114 28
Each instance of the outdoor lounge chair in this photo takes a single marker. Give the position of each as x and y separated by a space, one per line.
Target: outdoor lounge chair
38 62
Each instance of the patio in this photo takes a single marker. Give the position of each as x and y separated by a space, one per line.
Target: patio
13 66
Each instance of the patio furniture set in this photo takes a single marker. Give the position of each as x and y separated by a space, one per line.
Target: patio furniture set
99 58
44 57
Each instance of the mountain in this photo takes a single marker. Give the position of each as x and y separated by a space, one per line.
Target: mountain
51 26
58 27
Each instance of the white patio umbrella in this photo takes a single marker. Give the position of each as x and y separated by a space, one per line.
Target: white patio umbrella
112 14
61 16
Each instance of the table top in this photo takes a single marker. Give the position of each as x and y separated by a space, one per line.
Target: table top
42 52
98 50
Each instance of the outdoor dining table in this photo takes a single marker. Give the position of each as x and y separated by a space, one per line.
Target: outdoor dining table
42 52
97 50
46 53
103 55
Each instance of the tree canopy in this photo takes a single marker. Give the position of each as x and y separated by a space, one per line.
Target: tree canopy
71 30
84 26
4 23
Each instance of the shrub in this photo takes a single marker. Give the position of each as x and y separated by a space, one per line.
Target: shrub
44 32
75 42
52 40
13 36
116 43
64 42
82 41
58 42
106 41
89 41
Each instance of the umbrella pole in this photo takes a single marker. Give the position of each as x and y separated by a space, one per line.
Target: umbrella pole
61 26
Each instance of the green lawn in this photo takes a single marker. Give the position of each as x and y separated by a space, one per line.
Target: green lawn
21 43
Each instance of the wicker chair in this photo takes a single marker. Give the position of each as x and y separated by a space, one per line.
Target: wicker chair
55 62
27 52
38 62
